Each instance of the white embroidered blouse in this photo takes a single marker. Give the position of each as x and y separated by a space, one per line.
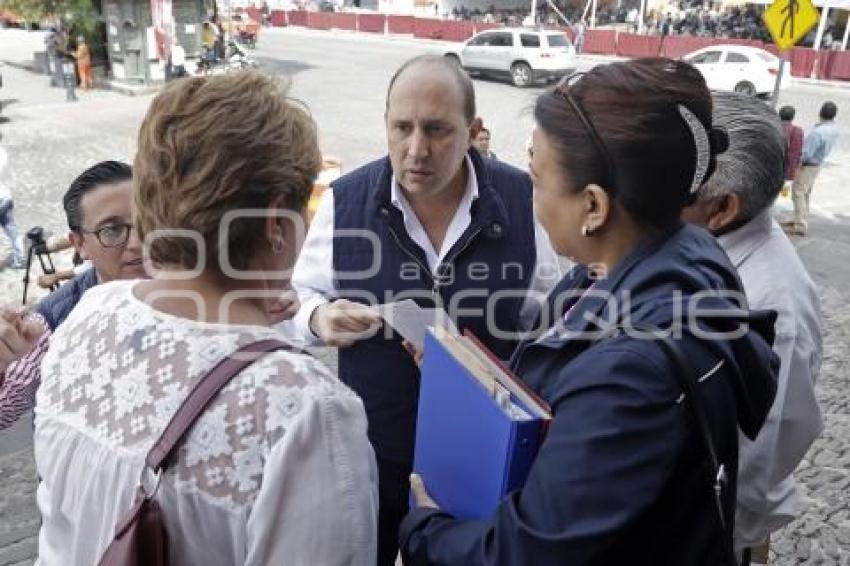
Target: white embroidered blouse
278 470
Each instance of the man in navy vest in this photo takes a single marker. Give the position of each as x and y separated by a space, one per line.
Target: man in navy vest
432 221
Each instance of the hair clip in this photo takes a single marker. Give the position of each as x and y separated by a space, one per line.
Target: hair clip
703 147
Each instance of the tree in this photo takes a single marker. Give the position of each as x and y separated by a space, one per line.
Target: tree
78 15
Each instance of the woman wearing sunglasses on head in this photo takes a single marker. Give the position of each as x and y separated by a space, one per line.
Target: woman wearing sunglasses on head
633 470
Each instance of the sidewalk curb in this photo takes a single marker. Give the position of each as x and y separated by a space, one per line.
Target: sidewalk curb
103 85
821 83
132 89
22 66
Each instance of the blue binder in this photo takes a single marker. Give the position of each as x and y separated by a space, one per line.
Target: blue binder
470 451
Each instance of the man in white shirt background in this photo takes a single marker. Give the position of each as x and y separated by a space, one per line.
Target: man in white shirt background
178 59
432 221
735 205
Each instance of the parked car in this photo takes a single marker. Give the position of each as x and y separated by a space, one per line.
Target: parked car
737 68
524 55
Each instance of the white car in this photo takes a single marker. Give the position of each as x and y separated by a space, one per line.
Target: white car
736 68
524 55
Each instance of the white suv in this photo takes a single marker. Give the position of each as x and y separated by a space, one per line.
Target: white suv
525 55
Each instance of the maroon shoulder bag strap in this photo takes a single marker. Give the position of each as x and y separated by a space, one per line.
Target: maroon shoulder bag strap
140 538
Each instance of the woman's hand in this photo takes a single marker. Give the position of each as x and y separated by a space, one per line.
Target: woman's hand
420 494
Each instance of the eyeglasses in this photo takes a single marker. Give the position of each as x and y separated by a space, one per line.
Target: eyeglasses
111 235
563 89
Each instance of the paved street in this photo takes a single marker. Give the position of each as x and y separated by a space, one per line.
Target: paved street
343 79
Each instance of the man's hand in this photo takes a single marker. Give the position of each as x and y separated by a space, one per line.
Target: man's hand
414 352
17 336
342 323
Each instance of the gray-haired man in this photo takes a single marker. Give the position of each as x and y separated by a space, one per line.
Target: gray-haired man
735 205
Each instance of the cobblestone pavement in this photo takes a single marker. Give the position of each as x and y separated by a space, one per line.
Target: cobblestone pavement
822 534
19 520
49 142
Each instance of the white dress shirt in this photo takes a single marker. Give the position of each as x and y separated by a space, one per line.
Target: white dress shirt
774 278
313 278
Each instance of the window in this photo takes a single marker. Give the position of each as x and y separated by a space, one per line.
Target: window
707 57
529 40
732 57
502 40
498 39
483 39
558 40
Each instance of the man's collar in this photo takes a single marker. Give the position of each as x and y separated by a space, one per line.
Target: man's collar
740 243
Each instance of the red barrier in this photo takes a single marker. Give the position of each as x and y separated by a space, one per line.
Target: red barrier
371 23
297 18
632 45
319 20
457 31
482 26
340 20
677 46
277 18
838 67
601 42
400 24
802 61
428 28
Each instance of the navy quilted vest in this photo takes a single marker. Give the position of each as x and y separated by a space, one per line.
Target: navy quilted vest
495 254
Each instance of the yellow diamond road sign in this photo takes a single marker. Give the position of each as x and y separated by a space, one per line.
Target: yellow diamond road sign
788 21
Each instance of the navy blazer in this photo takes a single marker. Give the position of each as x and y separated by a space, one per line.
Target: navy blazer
622 476
56 306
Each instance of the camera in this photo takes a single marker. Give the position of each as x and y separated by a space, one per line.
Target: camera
35 235
38 247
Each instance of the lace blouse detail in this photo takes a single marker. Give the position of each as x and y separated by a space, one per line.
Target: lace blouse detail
117 370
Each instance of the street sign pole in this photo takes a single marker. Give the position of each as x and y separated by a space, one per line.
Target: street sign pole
775 98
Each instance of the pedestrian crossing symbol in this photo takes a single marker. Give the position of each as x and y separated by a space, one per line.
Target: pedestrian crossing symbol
788 21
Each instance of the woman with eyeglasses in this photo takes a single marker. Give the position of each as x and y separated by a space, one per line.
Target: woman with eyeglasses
636 467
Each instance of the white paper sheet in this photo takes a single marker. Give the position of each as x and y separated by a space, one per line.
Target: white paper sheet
412 321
